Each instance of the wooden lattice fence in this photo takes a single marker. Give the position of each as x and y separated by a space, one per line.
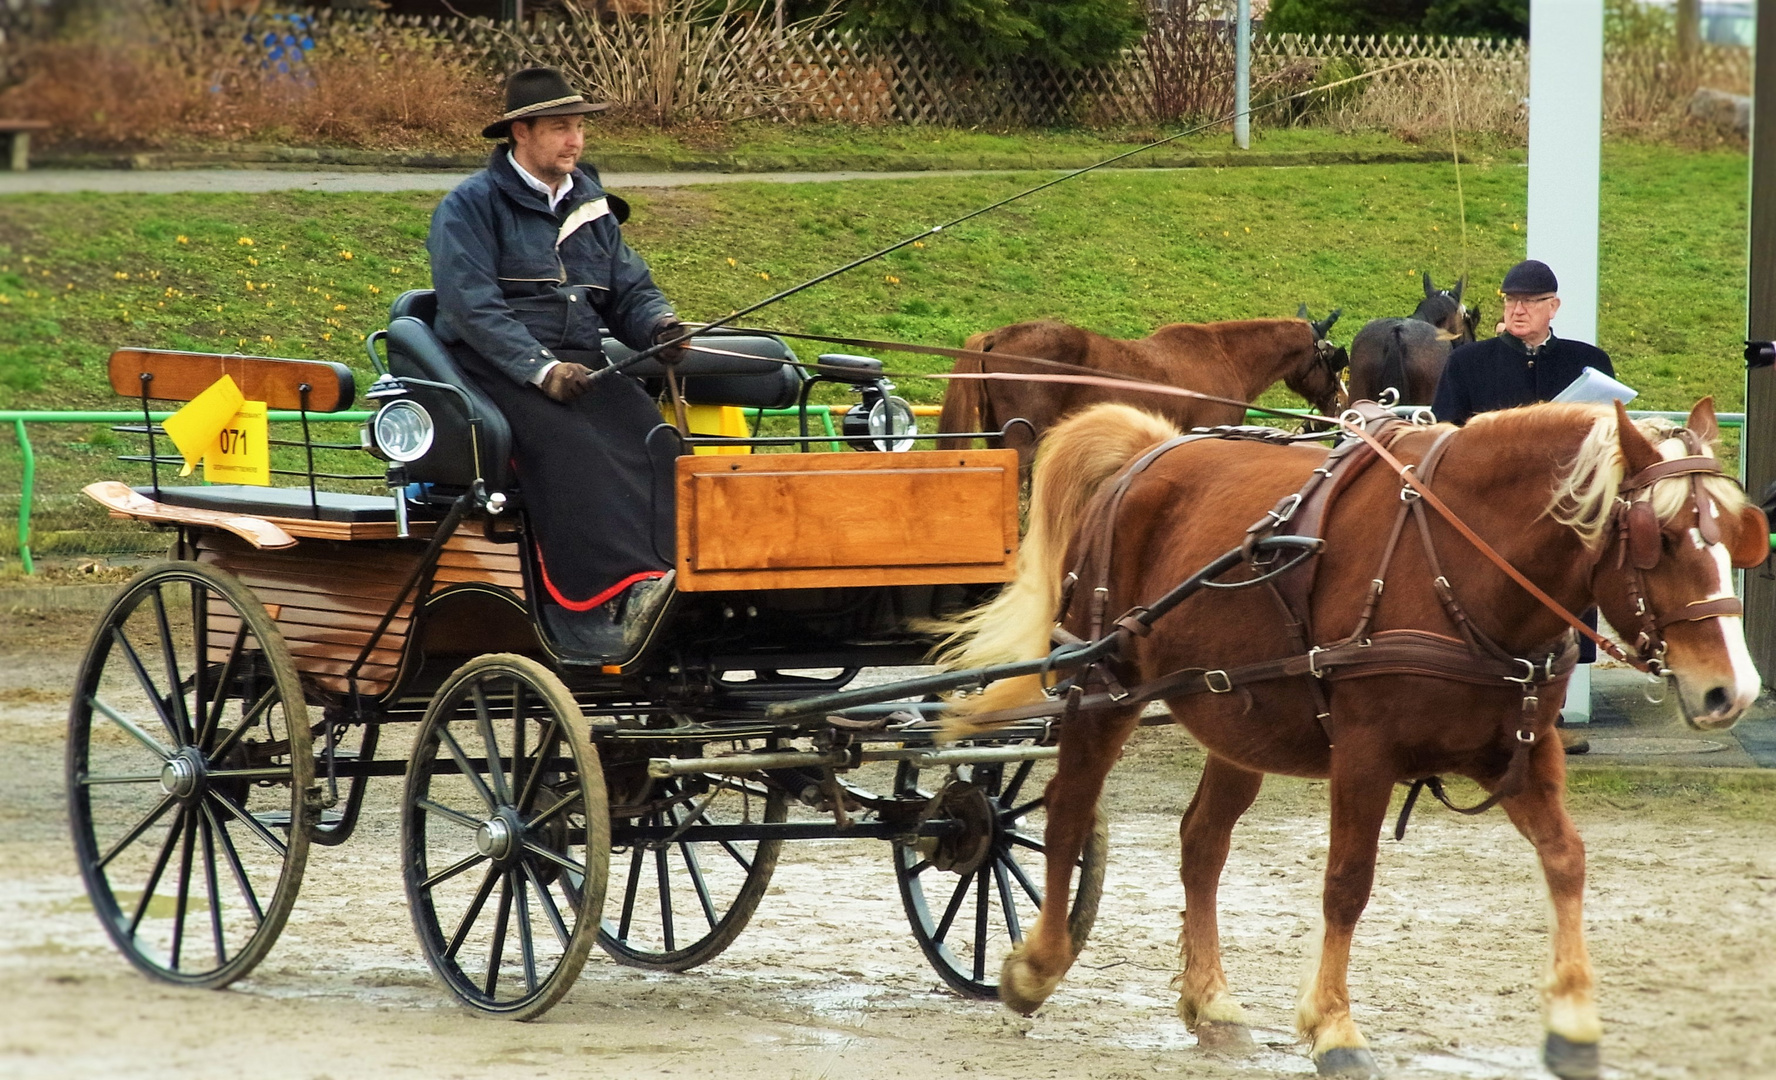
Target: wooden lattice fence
1180 71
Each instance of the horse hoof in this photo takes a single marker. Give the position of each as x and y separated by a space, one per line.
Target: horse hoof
1570 1060
1019 989
1221 1037
1349 1062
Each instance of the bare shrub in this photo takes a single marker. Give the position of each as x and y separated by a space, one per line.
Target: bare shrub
1189 58
682 62
154 75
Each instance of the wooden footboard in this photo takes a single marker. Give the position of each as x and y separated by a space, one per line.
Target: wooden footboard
800 521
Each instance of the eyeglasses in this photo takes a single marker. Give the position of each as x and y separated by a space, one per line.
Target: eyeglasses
1526 301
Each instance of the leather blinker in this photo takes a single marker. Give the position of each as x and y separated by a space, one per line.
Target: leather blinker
1643 535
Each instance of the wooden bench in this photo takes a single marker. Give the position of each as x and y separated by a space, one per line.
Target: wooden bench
17 136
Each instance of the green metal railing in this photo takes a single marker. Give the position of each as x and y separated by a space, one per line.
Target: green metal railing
27 488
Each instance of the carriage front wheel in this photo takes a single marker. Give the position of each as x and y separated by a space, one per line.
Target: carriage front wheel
190 775
971 892
505 836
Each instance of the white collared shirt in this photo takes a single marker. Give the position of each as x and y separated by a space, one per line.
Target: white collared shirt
553 195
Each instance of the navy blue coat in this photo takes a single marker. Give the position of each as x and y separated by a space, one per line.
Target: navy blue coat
1500 373
510 293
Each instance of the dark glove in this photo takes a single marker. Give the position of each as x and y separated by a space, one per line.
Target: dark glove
671 331
566 381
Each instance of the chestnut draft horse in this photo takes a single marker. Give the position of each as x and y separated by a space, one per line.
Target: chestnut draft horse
1581 500
1237 360
1409 354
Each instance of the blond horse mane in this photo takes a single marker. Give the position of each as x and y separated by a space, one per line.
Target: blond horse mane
1585 492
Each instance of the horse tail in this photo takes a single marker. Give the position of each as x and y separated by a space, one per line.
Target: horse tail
1075 459
1393 362
964 402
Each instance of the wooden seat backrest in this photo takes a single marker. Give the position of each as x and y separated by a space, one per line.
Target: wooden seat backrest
181 376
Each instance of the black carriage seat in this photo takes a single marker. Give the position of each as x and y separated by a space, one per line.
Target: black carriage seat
277 502
414 351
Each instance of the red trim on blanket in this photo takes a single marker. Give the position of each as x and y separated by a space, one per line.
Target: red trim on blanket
588 605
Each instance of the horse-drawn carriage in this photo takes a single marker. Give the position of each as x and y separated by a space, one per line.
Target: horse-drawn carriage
237 699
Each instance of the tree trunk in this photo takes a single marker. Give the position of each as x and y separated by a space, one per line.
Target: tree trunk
1689 27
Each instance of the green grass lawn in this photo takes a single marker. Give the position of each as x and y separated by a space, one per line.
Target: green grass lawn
308 275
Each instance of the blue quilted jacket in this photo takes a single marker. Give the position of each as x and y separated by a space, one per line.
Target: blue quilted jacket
516 281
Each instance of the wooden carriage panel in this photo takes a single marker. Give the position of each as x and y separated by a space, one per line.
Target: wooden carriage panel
181 376
328 597
798 521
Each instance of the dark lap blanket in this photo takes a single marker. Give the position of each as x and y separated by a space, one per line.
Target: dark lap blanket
586 478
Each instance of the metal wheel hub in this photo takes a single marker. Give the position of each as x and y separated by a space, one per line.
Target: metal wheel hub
182 776
976 826
501 836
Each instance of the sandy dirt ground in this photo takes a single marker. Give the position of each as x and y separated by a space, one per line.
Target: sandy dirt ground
827 981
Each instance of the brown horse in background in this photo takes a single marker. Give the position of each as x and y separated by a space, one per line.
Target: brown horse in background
1409 354
1544 485
1237 360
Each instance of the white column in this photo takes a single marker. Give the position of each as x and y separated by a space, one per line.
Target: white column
1565 143
1242 75
1565 137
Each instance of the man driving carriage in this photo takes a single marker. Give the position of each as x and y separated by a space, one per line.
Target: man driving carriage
531 270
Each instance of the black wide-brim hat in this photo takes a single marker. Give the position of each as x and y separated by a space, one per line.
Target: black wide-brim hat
535 92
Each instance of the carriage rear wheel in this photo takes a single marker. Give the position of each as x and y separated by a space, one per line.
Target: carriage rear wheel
970 894
685 898
190 775
505 838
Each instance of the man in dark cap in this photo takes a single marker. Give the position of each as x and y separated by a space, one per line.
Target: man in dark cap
1524 364
531 271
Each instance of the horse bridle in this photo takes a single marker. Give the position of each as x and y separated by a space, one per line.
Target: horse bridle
1326 355
1639 541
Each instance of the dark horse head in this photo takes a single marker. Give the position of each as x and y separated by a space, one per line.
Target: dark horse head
1444 310
1321 381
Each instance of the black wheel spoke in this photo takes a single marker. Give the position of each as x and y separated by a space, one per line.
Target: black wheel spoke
213 709
629 893
526 943
547 903
135 732
160 863
533 775
152 691
235 866
518 785
555 857
130 778
1017 871
484 724
1018 776
467 767
210 889
1018 813
1007 902
949 916
697 882
745 863
169 656
665 897
496 953
452 870
184 895
457 816
1026 842
253 824
473 913
136 832
981 926
248 718
918 868
557 807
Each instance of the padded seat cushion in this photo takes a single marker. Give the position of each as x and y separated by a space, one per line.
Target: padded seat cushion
276 502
